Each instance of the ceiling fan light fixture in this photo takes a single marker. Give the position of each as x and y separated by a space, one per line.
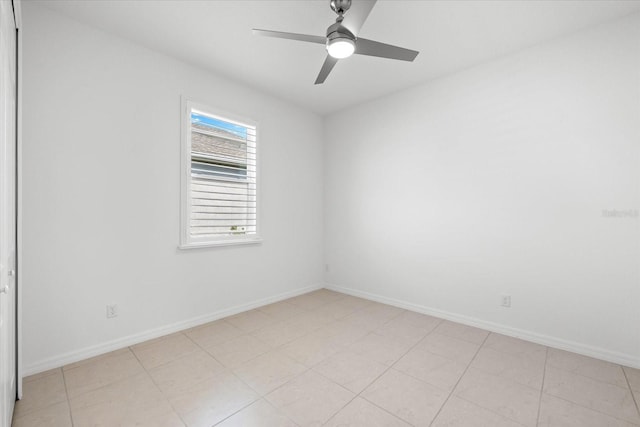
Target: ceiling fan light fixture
341 47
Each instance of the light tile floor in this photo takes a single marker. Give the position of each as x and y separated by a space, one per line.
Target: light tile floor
326 358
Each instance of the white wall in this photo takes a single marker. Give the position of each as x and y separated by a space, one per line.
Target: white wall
492 181
101 194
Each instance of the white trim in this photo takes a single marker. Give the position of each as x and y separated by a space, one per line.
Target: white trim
212 244
547 340
19 281
184 176
96 350
186 241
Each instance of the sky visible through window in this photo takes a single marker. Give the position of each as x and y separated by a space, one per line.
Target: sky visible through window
238 130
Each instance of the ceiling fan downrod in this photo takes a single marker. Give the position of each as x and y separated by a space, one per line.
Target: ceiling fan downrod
340 6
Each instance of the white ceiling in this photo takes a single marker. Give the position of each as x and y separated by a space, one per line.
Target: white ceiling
450 35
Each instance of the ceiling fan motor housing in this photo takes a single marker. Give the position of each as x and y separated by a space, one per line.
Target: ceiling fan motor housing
338 31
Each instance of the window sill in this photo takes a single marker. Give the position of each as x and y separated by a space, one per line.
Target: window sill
213 244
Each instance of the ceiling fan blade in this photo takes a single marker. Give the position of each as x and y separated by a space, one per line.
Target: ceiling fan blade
357 14
291 36
382 50
328 65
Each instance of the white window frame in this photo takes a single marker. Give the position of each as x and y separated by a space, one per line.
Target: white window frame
187 241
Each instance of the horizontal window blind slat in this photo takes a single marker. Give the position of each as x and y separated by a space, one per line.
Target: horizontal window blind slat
217 228
219 231
223 196
209 214
200 203
213 182
229 180
207 222
218 183
224 209
213 216
222 190
220 174
222 228
212 195
217 188
224 202
222 234
221 222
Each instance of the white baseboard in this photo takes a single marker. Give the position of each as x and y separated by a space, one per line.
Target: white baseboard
547 340
84 353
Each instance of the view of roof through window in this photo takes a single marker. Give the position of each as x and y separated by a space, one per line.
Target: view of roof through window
218 147
198 118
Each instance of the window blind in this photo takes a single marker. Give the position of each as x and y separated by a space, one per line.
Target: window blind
223 184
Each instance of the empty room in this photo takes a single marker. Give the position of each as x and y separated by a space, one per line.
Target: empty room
319 213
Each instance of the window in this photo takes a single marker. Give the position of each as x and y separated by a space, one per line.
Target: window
219 178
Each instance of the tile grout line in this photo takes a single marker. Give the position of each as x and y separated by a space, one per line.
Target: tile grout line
232 373
246 361
394 363
584 375
259 394
280 412
593 410
451 360
459 379
479 369
31 411
598 381
108 383
498 376
169 361
384 372
234 413
357 394
308 369
253 403
544 375
511 420
633 396
66 392
306 311
157 386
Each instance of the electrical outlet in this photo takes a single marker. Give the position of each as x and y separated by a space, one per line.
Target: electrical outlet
506 301
326 268
112 311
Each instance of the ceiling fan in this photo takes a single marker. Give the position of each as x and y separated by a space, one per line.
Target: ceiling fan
341 40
